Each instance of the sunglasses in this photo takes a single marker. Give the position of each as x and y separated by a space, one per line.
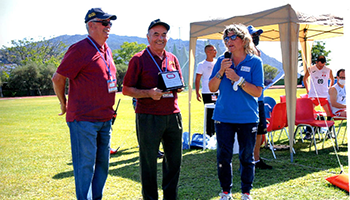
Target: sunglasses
233 38
341 77
104 22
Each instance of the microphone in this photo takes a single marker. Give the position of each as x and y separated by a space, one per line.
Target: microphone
227 54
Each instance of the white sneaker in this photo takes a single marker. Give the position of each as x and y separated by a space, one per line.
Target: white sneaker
224 196
246 197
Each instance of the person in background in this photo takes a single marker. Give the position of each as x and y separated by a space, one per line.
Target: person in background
158 117
317 89
89 66
259 163
337 95
203 73
240 80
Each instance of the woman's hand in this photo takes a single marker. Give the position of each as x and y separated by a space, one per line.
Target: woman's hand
225 64
231 74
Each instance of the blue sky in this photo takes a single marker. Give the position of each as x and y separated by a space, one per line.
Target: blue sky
39 19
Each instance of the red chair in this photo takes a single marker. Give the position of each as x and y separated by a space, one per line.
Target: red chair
304 116
323 114
335 118
283 98
304 96
316 112
278 121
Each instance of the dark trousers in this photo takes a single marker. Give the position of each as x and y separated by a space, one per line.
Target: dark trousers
210 123
151 130
246 135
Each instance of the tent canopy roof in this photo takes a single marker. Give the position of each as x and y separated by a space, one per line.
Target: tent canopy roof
279 24
311 27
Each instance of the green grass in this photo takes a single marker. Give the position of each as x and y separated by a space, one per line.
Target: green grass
35 158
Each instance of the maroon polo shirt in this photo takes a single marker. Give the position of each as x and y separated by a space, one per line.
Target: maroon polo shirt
88 97
142 73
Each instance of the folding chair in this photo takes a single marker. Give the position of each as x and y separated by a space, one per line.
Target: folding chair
322 113
304 116
283 98
269 103
278 121
336 118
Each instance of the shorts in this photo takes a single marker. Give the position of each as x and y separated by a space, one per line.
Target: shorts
320 100
338 113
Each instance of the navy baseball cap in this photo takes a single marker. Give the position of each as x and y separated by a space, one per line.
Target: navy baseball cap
252 30
98 13
158 22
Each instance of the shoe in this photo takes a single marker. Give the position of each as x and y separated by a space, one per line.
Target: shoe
262 165
246 196
330 135
225 196
160 154
307 136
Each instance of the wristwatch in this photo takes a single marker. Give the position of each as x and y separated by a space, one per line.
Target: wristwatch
218 76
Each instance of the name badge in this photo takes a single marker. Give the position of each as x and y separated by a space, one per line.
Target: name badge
214 97
169 80
245 69
112 86
168 95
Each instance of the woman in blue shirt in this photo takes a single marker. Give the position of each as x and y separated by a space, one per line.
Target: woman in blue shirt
239 77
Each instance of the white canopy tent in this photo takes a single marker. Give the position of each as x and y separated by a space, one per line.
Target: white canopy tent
279 24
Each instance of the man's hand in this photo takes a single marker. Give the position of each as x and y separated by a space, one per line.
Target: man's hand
156 94
180 90
63 109
199 97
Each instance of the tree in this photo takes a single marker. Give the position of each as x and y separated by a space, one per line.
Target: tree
24 77
4 76
32 77
317 49
126 52
122 57
269 73
24 51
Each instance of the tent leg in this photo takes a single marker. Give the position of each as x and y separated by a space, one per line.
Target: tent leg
291 157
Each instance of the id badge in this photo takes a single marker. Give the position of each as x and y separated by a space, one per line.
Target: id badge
214 97
112 86
168 95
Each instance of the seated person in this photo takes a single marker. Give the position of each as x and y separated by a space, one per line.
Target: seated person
337 95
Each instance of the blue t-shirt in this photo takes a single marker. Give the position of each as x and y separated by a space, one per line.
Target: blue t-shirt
239 106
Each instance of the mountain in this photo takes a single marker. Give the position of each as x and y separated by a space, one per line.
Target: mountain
115 41
178 47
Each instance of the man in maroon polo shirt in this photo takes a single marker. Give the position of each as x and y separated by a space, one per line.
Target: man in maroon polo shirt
89 66
158 117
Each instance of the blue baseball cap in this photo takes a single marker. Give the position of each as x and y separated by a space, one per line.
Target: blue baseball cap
98 13
252 30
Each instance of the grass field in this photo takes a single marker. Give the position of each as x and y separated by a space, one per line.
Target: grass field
35 158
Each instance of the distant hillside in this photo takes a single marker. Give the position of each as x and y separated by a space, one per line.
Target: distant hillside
115 41
178 47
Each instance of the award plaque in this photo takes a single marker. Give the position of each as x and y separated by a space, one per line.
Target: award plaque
169 80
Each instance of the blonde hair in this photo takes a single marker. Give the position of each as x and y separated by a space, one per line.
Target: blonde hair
242 32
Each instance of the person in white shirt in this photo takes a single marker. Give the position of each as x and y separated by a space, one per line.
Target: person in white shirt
317 88
203 73
319 75
337 95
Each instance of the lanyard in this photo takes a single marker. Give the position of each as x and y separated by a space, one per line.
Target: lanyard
109 71
166 62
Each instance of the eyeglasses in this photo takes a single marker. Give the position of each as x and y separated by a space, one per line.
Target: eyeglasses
104 22
341 77
232 37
